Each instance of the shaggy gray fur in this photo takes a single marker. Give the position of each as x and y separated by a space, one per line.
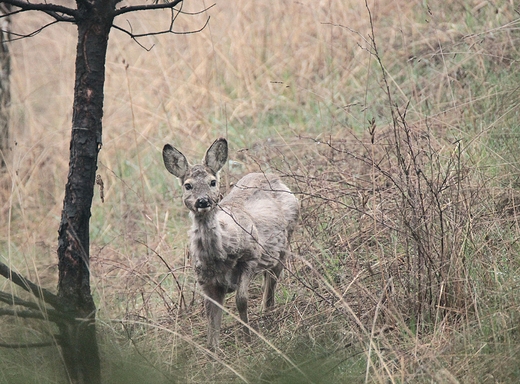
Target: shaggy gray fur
246 233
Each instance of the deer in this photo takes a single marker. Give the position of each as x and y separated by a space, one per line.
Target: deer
231 240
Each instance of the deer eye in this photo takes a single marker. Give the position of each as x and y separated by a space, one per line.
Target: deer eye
213 183
188 186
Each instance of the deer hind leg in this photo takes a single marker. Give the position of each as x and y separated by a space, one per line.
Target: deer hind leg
270 280
241 300
213 307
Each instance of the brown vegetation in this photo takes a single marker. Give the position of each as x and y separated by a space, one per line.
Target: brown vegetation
405 266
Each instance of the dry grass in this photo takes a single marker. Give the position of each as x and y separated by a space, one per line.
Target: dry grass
405 264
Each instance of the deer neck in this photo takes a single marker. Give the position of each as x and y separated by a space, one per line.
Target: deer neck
206 237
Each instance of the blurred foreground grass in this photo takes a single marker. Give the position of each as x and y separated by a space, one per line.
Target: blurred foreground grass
403 154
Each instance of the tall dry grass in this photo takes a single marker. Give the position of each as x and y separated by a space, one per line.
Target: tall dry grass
394 123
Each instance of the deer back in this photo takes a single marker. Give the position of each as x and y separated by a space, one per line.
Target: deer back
261 204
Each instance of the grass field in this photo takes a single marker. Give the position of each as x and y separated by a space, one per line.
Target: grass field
395 123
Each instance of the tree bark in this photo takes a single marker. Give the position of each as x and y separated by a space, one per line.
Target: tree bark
74 302
78 338
5 85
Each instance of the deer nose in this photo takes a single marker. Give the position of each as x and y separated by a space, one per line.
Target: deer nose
201 203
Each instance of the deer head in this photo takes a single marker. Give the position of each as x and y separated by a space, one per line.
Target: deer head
200 182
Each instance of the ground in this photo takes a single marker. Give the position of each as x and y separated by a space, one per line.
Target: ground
396 126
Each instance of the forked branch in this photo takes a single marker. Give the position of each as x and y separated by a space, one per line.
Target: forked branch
28 6
174 14
65 14
54 10
29 286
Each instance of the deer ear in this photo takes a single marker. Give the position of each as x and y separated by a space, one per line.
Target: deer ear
174 161
216 155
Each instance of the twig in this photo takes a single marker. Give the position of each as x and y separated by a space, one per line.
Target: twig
136 36
31 345
26 314
20 36
49 8
147 7
35 310
170 270
29 286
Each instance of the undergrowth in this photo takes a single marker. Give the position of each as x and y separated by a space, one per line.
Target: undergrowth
396 127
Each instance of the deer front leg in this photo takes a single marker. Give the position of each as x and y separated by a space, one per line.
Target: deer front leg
213 305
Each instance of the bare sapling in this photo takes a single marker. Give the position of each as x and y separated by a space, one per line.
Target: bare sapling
246 233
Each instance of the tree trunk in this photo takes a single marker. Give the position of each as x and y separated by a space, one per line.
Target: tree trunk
78 338
5 85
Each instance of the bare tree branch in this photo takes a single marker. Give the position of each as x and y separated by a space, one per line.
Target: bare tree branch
54 15
29 286
147 7
132 37
7 14
175 13
31 345
64 14
20 36
51 9
14 300
61 17
26 314
37 311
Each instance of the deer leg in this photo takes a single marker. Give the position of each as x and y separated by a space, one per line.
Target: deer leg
213 306
241 300
270 280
